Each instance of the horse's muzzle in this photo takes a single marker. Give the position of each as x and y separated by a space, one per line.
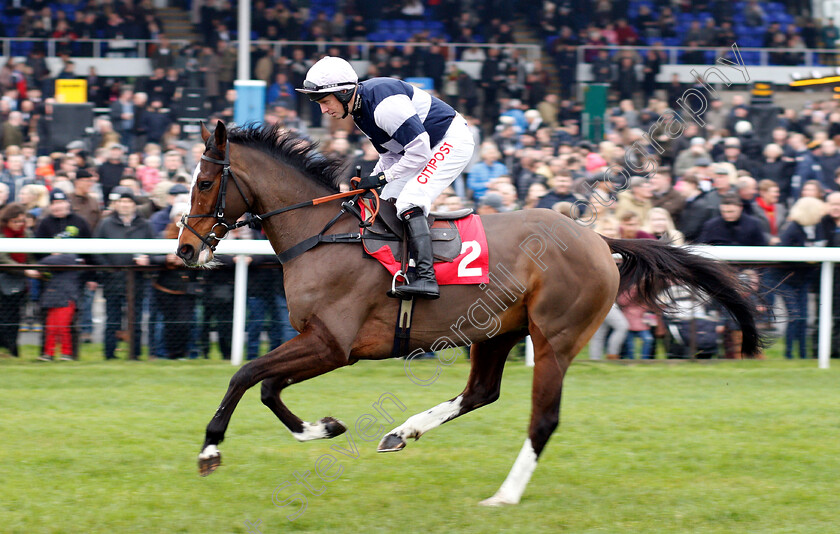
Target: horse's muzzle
187 253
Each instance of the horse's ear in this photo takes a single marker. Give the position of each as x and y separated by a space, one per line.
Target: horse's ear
205 133
221 135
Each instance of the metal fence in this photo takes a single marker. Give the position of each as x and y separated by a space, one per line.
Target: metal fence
827 257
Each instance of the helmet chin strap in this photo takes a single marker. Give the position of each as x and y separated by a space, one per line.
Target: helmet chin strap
346 104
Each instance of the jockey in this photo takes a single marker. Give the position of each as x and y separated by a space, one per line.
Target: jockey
423 146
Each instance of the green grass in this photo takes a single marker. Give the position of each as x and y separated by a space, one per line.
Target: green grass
714 447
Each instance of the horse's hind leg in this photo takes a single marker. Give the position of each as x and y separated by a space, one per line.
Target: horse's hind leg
309 354
487 362
545 415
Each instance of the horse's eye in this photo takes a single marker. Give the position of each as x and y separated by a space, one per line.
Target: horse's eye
205 185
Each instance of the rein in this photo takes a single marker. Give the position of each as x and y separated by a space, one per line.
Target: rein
296 250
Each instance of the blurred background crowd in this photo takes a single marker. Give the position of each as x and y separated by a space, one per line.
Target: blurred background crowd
739 173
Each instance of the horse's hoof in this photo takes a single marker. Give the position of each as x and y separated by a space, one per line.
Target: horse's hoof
391 443
209 460
333 427
497 500
326 428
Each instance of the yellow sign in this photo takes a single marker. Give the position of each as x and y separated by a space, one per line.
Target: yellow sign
71 91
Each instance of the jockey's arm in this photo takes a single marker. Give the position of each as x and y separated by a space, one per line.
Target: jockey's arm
416 157
397 117
386 161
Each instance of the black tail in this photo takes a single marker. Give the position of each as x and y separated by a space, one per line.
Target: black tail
653 266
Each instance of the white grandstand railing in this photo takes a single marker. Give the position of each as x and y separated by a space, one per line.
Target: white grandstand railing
827 257
809 55
140 47
99 47
533 52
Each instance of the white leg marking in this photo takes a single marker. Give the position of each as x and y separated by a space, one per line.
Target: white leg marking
417 425
317 430
210 451
514 485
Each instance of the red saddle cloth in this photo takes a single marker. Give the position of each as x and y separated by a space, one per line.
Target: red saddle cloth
472 266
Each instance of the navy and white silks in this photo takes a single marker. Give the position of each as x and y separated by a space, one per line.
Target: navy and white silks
423 143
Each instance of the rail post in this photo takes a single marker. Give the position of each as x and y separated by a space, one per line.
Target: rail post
825 324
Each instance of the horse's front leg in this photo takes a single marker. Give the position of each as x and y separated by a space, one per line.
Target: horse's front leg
327 427
314 352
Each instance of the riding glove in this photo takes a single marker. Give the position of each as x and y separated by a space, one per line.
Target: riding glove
374 181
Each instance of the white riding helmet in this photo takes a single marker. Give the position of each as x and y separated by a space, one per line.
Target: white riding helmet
331 75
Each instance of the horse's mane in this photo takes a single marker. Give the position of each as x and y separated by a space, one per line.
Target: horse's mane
292 149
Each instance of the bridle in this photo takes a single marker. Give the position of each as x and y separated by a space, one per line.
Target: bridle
221 199
219 212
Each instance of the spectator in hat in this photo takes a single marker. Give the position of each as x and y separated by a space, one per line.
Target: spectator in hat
733 227
149 172
594 162
732 154
122 223
60 220
83 201
750 146
145 206
723 176
160 219
86 204
490 203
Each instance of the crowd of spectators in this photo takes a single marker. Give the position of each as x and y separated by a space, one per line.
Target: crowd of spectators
729 182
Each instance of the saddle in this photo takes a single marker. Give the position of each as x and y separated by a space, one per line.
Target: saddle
388 230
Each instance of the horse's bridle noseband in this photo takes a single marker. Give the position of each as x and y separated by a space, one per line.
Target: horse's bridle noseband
219 210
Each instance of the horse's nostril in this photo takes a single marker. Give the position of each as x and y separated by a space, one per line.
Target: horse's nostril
186 252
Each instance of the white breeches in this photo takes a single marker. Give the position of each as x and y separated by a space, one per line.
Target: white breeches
449 157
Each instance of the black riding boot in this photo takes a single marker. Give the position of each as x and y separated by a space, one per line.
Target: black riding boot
420 243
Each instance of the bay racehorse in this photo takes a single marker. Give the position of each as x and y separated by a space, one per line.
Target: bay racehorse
550 278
